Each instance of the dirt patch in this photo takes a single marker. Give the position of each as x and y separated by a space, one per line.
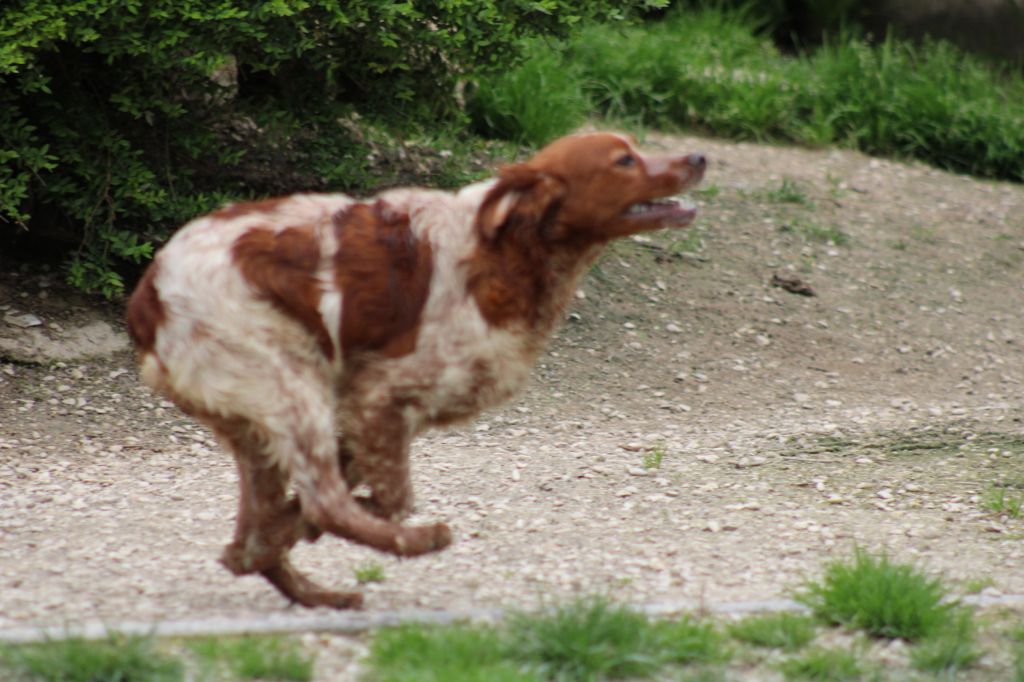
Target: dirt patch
41 322
695 432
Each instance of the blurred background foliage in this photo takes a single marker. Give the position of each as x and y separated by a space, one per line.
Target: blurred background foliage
121 119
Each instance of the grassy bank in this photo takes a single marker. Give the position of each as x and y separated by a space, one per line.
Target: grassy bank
862 610
712 71
873 601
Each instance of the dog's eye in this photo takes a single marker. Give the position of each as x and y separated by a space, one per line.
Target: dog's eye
626 161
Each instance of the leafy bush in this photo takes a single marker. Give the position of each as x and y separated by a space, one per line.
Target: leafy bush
119 120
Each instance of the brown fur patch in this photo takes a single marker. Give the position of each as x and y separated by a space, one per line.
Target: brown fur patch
281 267
384 273
246 207
510 273
145 312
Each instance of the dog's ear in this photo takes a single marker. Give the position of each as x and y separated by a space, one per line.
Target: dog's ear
523 197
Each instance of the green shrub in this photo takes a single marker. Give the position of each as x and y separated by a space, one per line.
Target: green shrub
690 641
1001 500
120 120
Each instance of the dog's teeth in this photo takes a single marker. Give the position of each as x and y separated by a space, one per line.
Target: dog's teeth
648 206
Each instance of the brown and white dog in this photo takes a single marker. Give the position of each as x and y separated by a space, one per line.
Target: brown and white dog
282 323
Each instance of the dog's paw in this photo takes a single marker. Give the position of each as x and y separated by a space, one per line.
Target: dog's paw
442 536
417 540
332 600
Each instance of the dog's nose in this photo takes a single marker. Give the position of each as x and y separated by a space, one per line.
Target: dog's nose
698 161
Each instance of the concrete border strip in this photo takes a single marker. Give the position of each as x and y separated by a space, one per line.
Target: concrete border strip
357 622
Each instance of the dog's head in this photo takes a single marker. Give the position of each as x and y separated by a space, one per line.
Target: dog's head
591 188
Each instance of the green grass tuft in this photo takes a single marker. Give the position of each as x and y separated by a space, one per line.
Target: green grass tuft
116 659
708 193
786 631
688 641
977 585
824 665
588 639
370 573
813 232
951 649
654 457
1002 501
878 596
255 658
460 653
789 192
1018 654
593 639
688 242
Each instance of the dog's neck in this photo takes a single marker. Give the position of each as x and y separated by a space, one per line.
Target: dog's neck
528 283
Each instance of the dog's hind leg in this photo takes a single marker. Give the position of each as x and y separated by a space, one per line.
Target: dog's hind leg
328 503
268 526
292 440
300 438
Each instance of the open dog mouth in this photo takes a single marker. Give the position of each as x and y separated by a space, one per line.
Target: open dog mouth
674 211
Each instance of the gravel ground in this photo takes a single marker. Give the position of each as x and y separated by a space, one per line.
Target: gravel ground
694 433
